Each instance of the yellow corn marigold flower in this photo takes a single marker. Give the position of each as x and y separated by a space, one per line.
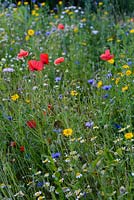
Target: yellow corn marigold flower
67 132
15 97
118 41
99 84
66 11
120 74
19 3
74 93
56 16
125 66
43 4
37 8
83 20
100 3
30 32
131 31
128 72
110 39
111 61
70 13
124 88
76 29
105 13
117 81
26 3
27 37
129 136
60 3
27 100
33 12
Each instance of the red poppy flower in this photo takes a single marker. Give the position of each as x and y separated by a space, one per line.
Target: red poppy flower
107 56
22 148
44 58
35 65
22 54
31 124
59 60
60 27
49 106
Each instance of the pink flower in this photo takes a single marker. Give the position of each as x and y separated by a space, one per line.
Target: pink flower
44 58
59 60
60 27
107 56
35 65
22 54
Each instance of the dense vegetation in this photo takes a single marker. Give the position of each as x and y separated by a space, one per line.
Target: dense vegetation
66 99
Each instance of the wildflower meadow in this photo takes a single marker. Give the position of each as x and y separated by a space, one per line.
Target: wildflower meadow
66 102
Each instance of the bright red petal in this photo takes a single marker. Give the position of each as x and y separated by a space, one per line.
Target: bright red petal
35 65
59 60
44 58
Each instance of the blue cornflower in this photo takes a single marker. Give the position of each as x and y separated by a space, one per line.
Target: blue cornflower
57 130
106 87
40 184
60 96
109 75
117 126
91 81
54 29
129 63
105 96
57 79
47 33
37 32
9 118
89 124
56 155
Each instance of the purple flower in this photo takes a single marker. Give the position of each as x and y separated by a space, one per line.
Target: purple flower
57 79
91 81
56 155
9 118
129 63
8 69
106 87
37 33
117 126
109 75
53 29
40 184
105 96
89 124
47 33
57 130
60 96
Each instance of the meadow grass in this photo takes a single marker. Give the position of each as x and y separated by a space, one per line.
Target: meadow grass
66 130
